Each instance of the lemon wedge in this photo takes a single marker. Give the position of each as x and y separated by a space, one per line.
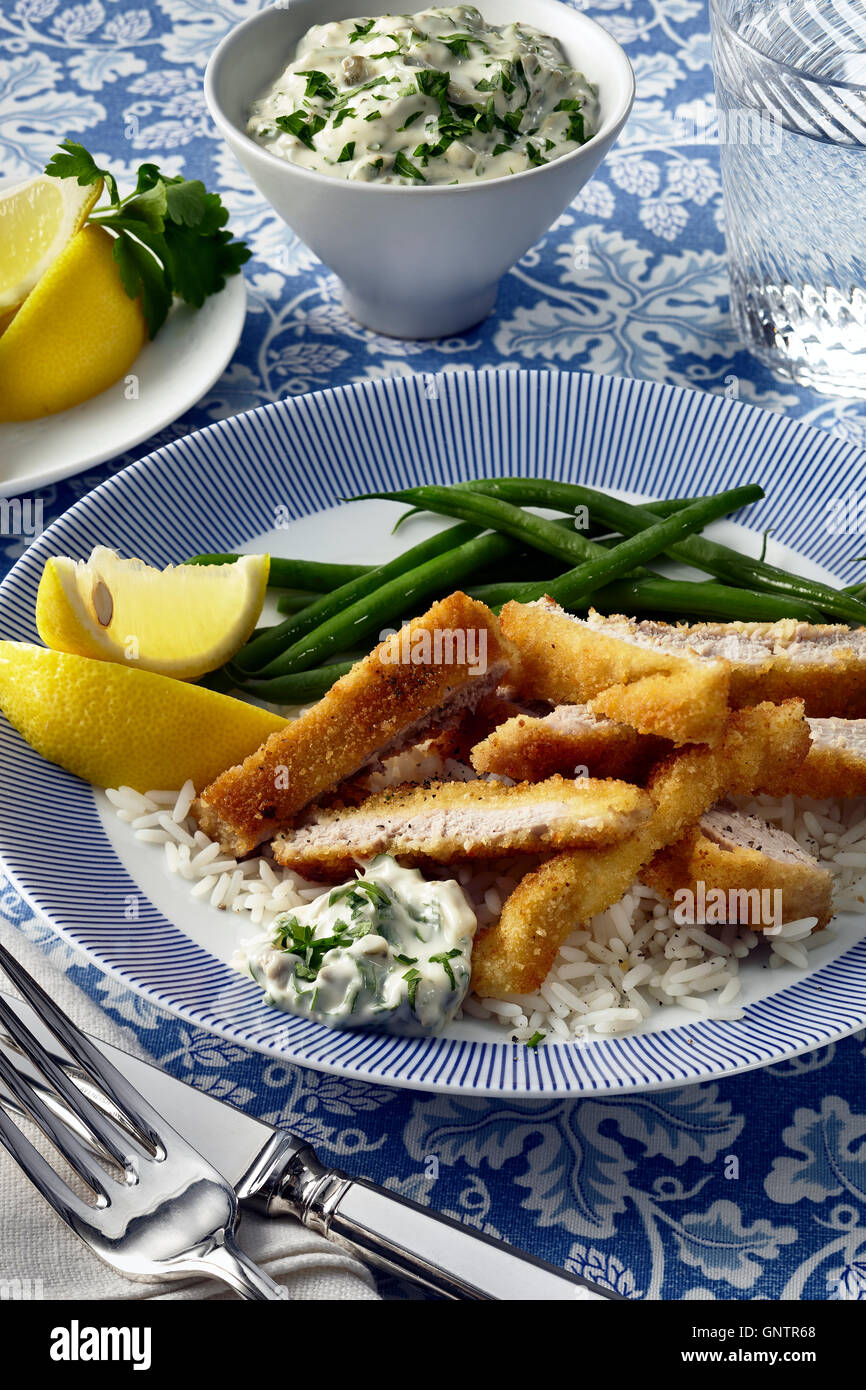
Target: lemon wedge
119 726
76 333
37 219
182 621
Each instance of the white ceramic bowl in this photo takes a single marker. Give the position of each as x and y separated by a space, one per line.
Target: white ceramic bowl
414 262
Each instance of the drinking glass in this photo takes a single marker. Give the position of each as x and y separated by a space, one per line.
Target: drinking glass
791 100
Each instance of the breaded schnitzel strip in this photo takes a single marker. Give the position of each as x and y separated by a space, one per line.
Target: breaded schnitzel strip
458 741
515 956
529 748
825 666
673 695
836 765
455 740
744 858
444 821
430 671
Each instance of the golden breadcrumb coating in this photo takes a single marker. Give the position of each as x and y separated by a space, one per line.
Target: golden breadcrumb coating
824 665
741 871
570 888
672 695
446 821
384 702
836 765
459 740
529 748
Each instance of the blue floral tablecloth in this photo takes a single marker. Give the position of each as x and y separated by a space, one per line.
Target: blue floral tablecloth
753 1188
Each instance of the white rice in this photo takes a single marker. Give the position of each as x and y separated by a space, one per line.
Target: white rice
257 887
611 974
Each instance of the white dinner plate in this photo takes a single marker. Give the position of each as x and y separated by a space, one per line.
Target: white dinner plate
78 865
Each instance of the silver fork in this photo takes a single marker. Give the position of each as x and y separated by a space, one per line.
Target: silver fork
164 1212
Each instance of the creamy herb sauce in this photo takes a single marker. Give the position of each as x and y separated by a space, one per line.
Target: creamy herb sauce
390 949
437 97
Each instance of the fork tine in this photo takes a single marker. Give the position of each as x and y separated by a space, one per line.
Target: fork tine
49 1183
54 1103
101 1128
99 1069
72 1149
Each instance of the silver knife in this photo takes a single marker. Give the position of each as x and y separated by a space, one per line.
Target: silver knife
276 1173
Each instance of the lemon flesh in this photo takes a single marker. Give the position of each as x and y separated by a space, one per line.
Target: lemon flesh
182 621
116 726
37 219
76 333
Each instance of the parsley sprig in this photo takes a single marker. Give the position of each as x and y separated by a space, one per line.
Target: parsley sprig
412 978
458 121
170 234
406 169
357 891
503 77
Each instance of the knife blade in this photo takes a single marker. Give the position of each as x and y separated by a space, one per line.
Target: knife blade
277 1173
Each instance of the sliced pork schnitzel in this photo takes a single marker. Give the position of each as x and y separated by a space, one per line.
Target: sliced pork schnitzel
529 747
824 666
445 821
570 888
836 765
744 858
672 694
422 677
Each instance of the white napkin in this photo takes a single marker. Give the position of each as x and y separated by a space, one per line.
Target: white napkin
41 1258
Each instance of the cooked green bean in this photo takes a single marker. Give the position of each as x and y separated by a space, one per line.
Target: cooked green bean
391 601
664 508
528 563
298 688
312 575
284 681
293 603
551 537
595 564
218 680
720 560
701 600
391 604
573 588
256 655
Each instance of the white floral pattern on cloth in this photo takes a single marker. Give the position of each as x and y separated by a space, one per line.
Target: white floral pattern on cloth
752 1188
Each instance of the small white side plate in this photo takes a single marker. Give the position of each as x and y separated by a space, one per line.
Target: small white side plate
174 371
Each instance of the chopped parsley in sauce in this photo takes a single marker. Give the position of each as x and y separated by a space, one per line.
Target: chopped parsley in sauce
389 950
438 97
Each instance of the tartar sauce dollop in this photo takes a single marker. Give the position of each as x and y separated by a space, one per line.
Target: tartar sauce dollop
390 949
438 97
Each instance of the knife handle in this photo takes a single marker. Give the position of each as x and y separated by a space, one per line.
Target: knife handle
408 1240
